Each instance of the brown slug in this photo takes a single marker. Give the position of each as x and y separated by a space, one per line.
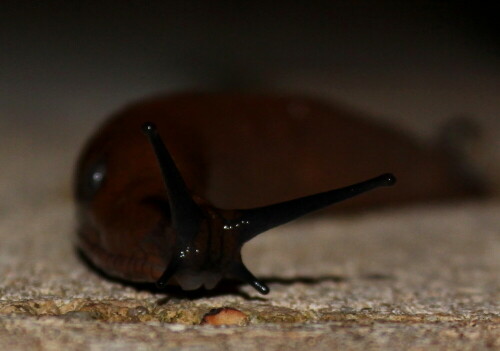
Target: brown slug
232 167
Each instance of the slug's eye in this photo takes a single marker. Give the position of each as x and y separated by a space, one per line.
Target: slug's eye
91 180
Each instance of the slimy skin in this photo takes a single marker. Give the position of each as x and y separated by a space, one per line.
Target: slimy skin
169 189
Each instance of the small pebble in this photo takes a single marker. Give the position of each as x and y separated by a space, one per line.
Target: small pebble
225 316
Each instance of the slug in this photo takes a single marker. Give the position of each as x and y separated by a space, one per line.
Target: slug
171 188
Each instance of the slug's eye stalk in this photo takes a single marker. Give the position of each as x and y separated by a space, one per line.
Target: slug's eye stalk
192 263
254 221
186 215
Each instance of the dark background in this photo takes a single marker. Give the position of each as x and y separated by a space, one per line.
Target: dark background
65 65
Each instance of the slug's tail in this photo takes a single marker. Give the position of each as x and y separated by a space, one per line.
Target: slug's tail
459 139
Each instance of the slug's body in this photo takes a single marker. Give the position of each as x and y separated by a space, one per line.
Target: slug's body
230 152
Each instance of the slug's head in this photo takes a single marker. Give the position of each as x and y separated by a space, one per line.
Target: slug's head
208 240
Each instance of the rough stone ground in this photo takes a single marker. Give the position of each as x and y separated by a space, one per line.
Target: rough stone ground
417 278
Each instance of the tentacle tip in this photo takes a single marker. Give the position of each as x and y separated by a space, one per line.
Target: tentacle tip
389 179
263 289
260 287
149 128
161 284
